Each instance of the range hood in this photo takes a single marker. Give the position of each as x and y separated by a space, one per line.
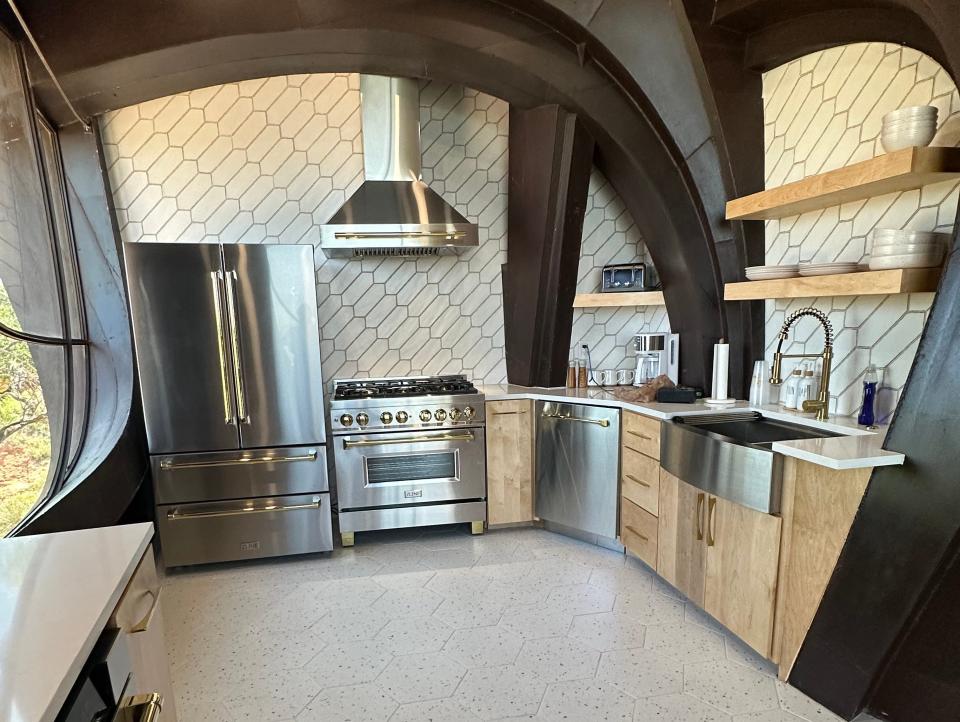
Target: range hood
394 213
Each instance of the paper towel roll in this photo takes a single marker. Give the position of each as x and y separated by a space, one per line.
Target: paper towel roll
721 373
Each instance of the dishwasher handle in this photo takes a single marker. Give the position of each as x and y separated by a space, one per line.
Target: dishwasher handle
560 417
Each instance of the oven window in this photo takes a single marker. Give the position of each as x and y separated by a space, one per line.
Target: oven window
411 467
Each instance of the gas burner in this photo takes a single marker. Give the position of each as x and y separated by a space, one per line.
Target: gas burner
393 388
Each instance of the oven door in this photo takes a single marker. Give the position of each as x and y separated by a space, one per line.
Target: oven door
403 468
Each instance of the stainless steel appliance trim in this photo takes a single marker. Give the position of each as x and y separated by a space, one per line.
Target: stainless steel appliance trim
402 517
387 440
361 235
455 452
168 464
174 514
231 279
216 278
599 422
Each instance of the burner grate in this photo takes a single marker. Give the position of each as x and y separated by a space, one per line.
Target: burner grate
393 388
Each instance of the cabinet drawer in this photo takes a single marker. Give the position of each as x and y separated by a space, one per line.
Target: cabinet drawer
642 434
640 481
638 531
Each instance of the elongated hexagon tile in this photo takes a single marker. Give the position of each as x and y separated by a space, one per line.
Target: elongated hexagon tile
484 647
414 634
558 658
608 631
686 642
459 583
585 700
738 651
277 697
581 599
351 663
420 677
516 593
622 580
641 672
649 607
436 710
366 702
796 702
772 715
389 579
536 621
731 687
469 613
495 692
350 624
408 602
677 707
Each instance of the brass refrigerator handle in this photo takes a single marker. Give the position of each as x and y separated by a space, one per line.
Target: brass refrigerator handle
700 517
231 278
140 708
560 417
174 515
144 623
349 443
170 464
229 418
631 477
711 540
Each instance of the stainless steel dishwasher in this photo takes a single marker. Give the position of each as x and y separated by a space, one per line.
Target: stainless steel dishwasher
578 466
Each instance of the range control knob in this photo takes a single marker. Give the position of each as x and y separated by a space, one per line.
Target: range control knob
346 420
363 419
469 412
425 415
386 417
455 414
402 417
440 414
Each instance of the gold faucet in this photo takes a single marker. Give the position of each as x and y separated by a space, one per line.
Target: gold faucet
822 404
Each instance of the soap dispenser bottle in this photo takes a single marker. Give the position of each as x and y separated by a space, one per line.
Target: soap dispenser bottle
806 389
870 382
788 396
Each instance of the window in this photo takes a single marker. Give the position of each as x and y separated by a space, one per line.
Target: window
43 358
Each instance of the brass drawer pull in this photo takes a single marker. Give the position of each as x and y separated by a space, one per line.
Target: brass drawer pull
174 515
699 517
140 708
711 540
507 413
642 436
268 459
631 477
560 417
635 451
636 533
388 440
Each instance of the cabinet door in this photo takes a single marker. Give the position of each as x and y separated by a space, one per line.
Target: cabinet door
681 549
743 553
509 461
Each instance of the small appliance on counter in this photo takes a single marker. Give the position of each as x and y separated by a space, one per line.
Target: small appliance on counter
628 277
657 353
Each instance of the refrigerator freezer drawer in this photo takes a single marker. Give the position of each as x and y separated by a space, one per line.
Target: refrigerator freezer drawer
181 478
244 529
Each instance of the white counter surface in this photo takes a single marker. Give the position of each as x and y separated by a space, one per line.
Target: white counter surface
858 448
57 592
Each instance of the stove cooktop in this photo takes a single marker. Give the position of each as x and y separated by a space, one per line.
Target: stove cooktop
402 388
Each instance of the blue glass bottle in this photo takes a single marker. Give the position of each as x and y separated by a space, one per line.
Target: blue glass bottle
870 381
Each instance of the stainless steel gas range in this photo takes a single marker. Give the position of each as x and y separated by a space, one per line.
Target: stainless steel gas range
408 452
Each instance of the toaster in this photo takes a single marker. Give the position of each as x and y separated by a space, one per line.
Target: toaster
628 277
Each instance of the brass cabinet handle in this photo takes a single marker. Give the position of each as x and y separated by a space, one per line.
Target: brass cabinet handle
635 451
700 517
631 477
507 413
140 708
634 531
710 508
216 278
174 515
349 444
142 625
642 436
267 459
560 417
235 348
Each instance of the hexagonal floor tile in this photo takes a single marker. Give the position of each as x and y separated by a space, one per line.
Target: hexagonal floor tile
484 646
558 658
414 634
641 672
581 599
585 700
536 621
686 642
437 710
459 583
352 663
795 701
400 603
515 593
469 613
773 715
350 624
650 607
622 580
731 687
421 677
673 707
608 631
357 702
495 692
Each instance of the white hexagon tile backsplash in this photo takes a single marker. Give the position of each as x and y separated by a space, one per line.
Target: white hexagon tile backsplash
824 111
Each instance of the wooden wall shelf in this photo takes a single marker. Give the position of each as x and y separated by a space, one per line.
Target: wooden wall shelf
898 171
615 300
865 283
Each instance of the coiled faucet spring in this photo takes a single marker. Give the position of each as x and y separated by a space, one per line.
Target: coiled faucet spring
822 404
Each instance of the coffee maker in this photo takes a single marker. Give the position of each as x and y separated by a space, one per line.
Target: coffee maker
657 353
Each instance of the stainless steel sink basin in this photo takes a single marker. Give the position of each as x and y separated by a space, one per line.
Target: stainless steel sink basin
730 455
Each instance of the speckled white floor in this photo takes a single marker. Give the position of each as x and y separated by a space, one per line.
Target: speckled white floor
438 625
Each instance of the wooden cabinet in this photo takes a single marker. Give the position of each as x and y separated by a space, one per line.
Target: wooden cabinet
640 479
743 554
682 553
638 531
139 617
641 434
640 485
510 470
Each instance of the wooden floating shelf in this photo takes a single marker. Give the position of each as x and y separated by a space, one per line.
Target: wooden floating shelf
864 283
901 170
615 300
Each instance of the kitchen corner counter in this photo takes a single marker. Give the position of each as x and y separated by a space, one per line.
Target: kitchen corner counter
57 592
858 448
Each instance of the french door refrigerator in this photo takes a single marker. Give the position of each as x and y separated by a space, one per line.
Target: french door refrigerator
228 352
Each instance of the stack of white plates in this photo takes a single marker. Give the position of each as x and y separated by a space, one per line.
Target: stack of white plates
894 248
769 273
828 269
909 127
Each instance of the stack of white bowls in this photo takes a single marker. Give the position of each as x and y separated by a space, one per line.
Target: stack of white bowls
909 127
906 249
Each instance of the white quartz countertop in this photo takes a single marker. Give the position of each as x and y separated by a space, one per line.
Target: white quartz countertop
858 448
57 592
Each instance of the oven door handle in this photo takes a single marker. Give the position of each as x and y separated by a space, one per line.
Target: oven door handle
387 440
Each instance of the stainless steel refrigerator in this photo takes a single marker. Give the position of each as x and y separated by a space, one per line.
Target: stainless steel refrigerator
228 351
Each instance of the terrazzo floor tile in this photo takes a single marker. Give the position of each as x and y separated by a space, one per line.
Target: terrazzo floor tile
355 703
420 677
458 583
622 580
400 603
496 692
585 700
581 599
773 715
484 647
731 687
641 672
468 613
677 708
437 710
417 634
350 624
536 621
389 578
686 642
608 631
278 697
649 607
516 593
557 658
738 651
351 663
795 701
